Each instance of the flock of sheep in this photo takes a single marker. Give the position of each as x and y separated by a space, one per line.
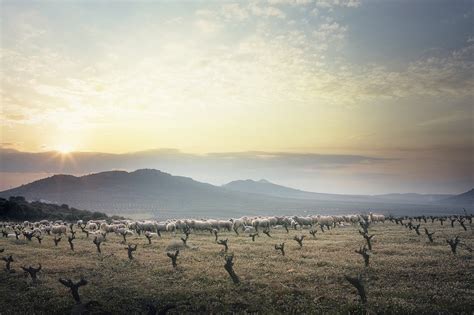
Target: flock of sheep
153 228
97 230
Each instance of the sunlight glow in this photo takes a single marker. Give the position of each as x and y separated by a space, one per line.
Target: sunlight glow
64 148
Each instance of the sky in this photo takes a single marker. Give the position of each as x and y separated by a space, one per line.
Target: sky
341 96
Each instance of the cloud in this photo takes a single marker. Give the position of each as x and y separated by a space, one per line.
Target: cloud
235 11
455 117
84 162
328 34
330 4
266 11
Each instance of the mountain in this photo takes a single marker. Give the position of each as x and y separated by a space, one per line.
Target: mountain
152 193
267 188
466 199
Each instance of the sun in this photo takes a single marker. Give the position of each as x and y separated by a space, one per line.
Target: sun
64 148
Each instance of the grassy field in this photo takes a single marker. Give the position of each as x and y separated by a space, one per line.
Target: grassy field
407 274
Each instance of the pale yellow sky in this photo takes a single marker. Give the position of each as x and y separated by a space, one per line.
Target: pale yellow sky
284 76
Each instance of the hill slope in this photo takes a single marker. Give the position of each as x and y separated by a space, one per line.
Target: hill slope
267 188
466 199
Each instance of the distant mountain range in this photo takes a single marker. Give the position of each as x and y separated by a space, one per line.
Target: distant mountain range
149 192
267 188
466 198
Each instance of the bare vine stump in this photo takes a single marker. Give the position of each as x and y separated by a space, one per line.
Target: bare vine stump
148 236
267 232
17 235
453 243
229 267
313 232
69 240
430 235
452 222
84 231
184 240
215 232
131 249
299 240
32 271
97 243
224 243
417 229
368 238
8 260
4 233
365 254
253 235
280 247
74 287
357 283
173 258
187 231
461 221
56 241
236 230
124 235
39 238
28 235
322 227
365 226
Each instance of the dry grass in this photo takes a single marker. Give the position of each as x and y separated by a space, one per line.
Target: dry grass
406 274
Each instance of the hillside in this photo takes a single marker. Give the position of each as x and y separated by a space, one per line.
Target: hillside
18 209
466 199
149 192
267 188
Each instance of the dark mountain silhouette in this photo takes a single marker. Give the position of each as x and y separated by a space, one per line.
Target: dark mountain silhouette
466 199
149 192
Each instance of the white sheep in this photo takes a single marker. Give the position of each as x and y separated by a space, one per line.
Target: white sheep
59 229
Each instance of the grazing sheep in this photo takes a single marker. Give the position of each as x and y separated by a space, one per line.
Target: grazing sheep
91 226
171 227
303 221
59 229
150 235
377 217
108 228
224 225
237 223
249 229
